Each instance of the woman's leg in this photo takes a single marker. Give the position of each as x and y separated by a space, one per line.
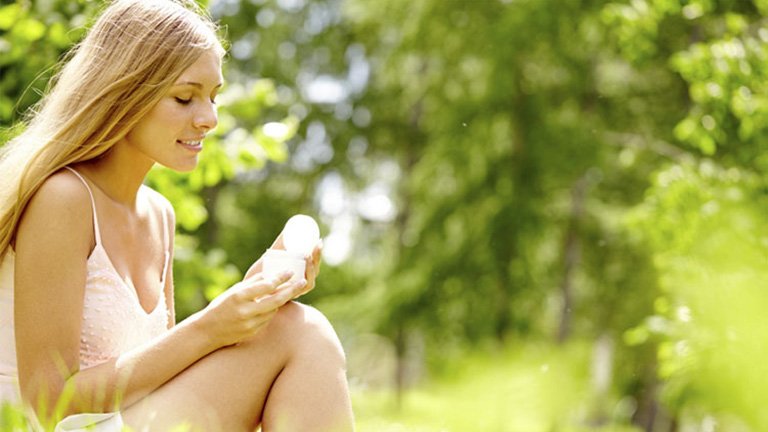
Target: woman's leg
311 391
292 373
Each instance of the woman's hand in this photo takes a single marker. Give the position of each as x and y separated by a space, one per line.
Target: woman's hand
246 307
312 265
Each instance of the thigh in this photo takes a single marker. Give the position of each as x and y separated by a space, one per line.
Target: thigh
226 390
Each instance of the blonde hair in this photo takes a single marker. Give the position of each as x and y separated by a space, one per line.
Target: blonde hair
132 55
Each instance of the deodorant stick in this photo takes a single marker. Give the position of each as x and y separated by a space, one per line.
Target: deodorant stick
300 236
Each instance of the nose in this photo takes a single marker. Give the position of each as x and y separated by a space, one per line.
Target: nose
206 117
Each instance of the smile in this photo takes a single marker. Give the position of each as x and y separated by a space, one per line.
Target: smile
194 145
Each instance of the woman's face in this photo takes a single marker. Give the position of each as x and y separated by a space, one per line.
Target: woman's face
171 134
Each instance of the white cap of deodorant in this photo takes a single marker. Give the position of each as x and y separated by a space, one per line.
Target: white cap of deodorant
300 236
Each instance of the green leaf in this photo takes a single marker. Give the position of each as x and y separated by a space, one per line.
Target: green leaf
707 144
9 15
685 129
58 35
29 29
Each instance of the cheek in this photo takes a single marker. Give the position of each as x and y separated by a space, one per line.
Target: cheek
164 118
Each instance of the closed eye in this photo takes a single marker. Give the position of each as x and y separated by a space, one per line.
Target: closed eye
183 101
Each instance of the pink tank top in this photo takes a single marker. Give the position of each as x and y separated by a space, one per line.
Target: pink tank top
113 318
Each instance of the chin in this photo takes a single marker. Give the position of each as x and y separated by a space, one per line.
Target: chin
183 167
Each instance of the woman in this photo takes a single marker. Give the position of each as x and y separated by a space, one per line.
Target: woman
86 290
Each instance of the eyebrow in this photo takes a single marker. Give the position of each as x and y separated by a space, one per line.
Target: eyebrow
194 84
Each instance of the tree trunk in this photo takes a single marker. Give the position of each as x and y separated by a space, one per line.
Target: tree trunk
571 257
210 229
410 158
400 372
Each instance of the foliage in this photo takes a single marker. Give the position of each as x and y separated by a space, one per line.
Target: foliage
517 173
12 418
703 218
32 37
707 224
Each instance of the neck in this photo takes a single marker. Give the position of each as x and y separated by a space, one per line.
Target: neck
119 174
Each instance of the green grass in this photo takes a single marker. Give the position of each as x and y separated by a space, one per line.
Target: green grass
537 388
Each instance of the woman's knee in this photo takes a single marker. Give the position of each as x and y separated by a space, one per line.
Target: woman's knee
309 332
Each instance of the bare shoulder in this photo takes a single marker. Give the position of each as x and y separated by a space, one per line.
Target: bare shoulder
60 209
62 194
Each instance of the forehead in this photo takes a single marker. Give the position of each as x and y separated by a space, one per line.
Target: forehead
205 70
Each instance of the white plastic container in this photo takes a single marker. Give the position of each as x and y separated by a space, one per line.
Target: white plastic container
276 261
300 236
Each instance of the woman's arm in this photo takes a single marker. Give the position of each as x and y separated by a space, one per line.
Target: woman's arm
51 256
52 244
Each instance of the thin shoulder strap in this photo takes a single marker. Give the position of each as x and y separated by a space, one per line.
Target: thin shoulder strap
96 231
168 246
166 230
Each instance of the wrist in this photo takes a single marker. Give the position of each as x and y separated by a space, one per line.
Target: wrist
197 331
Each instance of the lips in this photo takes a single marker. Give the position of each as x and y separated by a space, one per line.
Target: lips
194 144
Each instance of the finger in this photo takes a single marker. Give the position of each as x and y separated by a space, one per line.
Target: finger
311 273
282 296
253 274
260 312
247 291
317 251
309 265
281 278
315 265
256 288
307 288
317 257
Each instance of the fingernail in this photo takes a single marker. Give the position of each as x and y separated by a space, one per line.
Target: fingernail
286 274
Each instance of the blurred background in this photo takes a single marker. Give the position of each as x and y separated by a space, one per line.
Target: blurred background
538 215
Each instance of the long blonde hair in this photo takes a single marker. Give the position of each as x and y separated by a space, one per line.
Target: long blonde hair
131 56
